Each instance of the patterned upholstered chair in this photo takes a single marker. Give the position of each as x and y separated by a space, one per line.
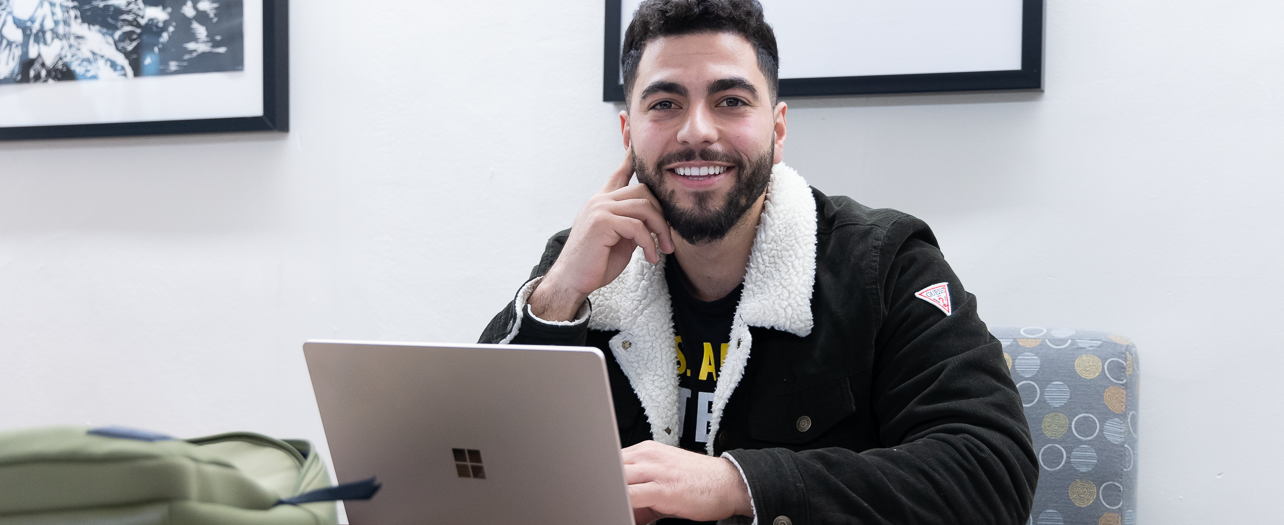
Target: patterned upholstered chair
1080 392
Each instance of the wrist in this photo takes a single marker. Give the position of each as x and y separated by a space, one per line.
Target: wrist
737 492
553 302
744 503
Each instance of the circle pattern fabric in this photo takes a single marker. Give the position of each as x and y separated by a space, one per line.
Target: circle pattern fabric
1083 458
1056 394
1116 399
1050 517
1079 390
1083 492
1088 366
1055 425
1027 364
1114 431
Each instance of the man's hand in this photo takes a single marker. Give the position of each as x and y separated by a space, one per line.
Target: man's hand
613 223
669 482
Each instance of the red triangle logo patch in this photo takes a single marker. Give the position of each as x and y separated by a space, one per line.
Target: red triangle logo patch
937 294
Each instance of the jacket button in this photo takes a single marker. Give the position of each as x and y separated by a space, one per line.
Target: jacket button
782 520
722 438
803 424
626 345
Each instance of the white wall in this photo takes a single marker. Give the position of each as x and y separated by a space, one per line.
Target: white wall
168 283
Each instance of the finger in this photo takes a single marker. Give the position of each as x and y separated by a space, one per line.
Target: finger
649 213
640 191
642 446
629 455
622 229
637 452
645 495
622 175
633 230
635 473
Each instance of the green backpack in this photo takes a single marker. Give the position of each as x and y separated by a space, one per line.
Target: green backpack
74 475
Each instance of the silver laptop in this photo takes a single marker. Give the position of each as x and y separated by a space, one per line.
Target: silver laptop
472 433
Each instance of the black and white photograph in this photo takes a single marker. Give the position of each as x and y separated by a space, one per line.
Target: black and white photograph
66 40
93 68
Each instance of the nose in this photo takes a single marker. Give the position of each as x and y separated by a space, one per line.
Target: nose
698 128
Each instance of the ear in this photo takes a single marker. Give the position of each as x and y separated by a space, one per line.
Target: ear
779 135
624 129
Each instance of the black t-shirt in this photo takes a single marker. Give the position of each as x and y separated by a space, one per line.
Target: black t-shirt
703 331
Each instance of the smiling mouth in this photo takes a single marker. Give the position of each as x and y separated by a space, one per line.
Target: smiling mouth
700 173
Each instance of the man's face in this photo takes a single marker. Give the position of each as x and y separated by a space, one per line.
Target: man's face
703 130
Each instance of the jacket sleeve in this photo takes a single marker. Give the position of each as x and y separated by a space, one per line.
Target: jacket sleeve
515 324
955 446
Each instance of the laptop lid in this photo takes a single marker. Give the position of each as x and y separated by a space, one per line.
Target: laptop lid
479 434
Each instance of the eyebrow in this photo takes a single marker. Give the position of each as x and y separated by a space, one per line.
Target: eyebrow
664 87
724 84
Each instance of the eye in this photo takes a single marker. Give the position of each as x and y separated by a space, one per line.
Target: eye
733 102
663 105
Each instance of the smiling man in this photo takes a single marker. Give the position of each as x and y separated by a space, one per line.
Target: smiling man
830 367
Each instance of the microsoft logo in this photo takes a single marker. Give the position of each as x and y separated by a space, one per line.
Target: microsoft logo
468 463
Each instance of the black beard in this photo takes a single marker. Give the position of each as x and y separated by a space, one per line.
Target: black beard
703 223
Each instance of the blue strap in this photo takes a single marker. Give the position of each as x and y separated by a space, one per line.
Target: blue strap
357 490
128 433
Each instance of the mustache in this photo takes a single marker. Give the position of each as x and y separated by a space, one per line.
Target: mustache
688 155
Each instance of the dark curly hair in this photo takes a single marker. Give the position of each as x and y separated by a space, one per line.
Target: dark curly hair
657 18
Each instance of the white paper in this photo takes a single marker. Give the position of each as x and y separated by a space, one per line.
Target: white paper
843 38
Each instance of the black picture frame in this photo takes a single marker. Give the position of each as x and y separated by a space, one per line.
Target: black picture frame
1029 77
276 97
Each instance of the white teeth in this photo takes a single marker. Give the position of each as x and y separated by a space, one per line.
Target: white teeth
703 171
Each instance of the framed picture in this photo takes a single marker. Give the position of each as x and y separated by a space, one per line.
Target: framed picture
868 47
95 68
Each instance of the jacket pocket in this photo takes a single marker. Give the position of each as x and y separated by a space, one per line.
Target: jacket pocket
802 417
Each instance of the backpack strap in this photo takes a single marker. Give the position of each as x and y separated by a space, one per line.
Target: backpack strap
128 433
357 490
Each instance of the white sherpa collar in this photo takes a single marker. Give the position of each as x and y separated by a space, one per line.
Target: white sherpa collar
777 294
